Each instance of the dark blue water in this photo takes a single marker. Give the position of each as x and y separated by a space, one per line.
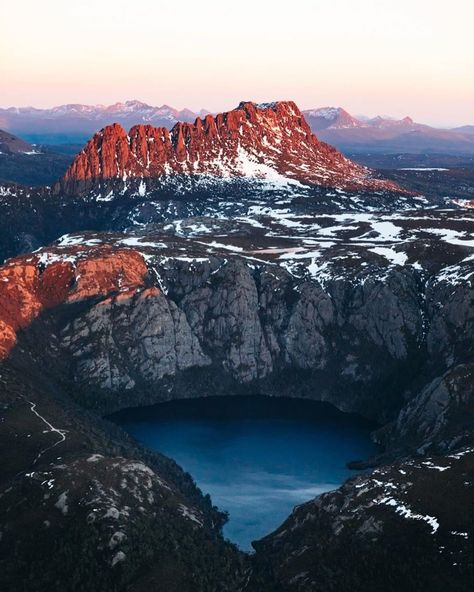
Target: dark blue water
257 457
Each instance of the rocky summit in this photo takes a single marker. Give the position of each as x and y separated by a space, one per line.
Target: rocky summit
267 141
236 255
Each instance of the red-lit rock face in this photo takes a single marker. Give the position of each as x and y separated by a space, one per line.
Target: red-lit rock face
263 141
28 287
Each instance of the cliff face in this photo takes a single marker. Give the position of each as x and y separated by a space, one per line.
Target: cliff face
119 320
30 285
372 313
233 328
153 324
270 141
248 328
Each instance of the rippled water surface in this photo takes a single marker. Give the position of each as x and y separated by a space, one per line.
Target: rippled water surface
256 456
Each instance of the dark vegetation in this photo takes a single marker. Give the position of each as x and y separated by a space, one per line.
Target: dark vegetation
35 170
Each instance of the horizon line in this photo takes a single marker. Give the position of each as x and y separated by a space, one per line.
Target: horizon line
198 111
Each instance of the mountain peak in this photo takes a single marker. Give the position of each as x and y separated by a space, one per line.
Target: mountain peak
389 122
271 105
331 117
256 140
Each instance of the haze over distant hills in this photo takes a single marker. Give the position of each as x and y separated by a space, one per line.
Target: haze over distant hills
386 135
10 144
75 123
22 162
465 129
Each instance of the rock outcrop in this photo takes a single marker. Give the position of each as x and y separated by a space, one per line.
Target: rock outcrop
439 419
270 141
371 312
155 325
403 527
30 285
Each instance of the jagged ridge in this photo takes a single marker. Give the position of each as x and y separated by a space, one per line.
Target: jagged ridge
271 141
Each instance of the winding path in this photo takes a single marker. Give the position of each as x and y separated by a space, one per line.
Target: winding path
61 433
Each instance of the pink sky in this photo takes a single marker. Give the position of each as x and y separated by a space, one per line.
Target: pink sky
401 57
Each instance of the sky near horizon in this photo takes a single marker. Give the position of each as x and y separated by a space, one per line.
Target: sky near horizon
387 57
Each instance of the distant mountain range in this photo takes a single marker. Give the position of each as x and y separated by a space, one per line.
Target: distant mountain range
385 135
465 129
75 123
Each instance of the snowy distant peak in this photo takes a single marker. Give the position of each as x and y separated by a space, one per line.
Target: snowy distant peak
269 141
329 113
387 122
132 106
147 113
71 108
74 118
128 106
331 117
385 135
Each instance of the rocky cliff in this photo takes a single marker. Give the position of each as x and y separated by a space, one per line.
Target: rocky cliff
270 141
122 315
356 294
30 285
370 312
105 321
